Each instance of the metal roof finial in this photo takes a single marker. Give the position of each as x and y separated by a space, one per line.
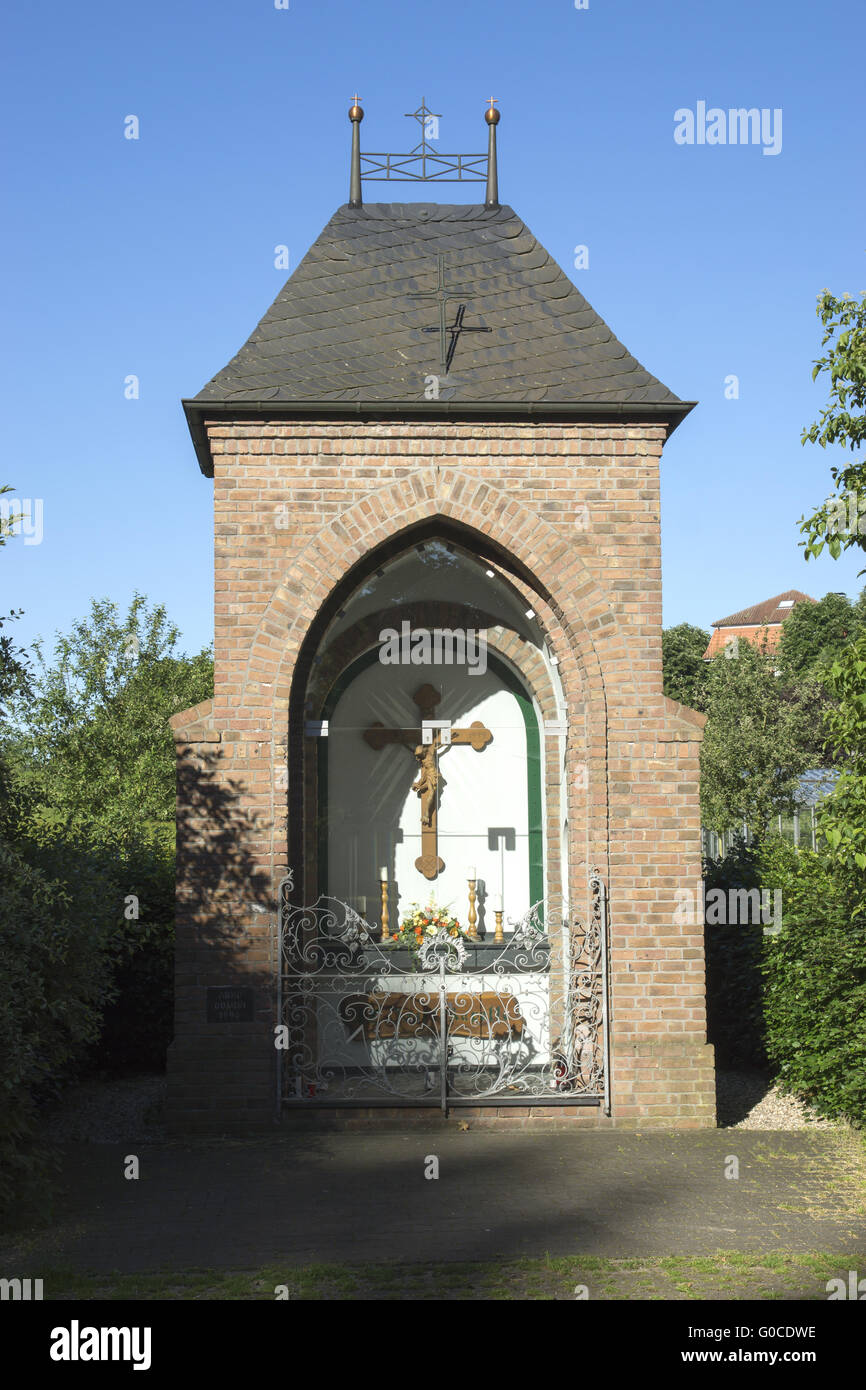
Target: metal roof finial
356 116
492 117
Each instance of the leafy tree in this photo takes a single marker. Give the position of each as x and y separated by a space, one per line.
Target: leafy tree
840 524
15 676
761 735
91 761
683 666
814 971
97 752
814 634
7 523
55 968
841 521
842 815
14 669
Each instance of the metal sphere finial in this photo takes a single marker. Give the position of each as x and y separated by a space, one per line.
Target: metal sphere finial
356 116
491 115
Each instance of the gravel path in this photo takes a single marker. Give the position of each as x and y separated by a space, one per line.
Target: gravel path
108 1112
749 1100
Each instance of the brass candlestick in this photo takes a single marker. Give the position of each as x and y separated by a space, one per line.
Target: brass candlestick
498 936
473 916
385 915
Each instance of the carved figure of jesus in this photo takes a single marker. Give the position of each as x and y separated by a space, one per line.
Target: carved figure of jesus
428 779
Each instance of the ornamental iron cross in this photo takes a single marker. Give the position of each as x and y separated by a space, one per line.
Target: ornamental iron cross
426 744
425 163
442 294
422 116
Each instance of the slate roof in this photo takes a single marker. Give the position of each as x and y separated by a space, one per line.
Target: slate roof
344 333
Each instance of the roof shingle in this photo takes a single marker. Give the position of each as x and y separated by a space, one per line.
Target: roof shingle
344 327
767 612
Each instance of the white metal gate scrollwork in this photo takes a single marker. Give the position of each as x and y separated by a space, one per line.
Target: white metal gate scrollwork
457 1022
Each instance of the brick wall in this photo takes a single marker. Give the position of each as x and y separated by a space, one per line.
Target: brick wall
571 513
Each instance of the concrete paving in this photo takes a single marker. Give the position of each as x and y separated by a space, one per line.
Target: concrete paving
363 1198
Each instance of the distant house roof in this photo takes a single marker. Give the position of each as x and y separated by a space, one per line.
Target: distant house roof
355 329
772 610
760 624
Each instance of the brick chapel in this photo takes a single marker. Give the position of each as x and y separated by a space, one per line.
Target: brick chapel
433 823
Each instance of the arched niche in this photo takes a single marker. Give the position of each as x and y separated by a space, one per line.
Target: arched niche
499 807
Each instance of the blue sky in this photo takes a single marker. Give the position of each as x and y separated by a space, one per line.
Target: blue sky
155 257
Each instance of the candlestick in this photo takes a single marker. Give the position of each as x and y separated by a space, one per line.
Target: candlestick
385 915
498 936
473 916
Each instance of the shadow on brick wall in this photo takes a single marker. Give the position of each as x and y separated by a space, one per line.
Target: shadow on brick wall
226 904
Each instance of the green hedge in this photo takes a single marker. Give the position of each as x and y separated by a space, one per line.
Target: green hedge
138 1023
54 976
81 985
795 998
815 986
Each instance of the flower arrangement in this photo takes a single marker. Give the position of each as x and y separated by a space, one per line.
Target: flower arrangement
421 923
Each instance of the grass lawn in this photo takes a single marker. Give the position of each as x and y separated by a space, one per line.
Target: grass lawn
725 1275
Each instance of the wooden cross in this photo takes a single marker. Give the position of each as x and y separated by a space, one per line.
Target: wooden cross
429 778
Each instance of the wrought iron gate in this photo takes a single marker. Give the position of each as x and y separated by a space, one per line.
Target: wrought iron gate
457 1022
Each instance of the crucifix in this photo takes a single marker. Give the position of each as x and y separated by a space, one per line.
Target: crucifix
442 294
426 744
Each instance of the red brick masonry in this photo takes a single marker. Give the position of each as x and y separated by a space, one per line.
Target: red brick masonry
572 512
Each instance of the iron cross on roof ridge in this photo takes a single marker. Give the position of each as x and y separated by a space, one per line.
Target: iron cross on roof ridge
422 116
442 294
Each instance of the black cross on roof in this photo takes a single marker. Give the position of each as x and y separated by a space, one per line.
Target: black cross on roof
442 294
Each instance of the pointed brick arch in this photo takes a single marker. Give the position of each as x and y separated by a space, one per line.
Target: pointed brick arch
576 618
581 611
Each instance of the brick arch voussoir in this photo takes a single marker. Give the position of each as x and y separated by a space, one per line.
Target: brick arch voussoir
380 516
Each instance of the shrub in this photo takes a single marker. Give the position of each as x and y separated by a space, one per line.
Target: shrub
53 977
104 876
815 985
137 1024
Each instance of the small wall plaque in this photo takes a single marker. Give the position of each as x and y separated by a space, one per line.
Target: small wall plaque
230 1004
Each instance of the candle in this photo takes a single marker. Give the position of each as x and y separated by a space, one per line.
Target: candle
383 875
471 871
497 902
362 906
